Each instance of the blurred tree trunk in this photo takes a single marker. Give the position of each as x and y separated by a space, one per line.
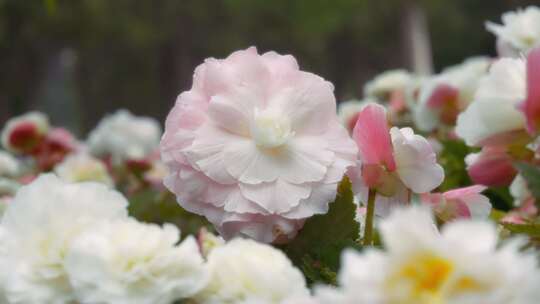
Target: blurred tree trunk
416 39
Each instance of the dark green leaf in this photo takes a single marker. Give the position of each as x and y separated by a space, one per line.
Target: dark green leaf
531 174
317 248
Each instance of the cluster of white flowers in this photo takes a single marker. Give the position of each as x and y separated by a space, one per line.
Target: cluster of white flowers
75 243
257 148
123 136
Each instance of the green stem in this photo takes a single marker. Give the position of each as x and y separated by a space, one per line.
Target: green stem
368 229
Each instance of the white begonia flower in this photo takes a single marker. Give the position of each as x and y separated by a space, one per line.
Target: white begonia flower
81 168
123 136
462 265
519 33
4 202
9 165
443 96
244 271
8 186
387 82
42 220
494 110
128 262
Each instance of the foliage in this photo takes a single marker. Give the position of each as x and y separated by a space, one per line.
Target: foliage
160 207
531 174
317 248
452 159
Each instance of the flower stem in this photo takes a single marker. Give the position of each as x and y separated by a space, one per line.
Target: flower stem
370 213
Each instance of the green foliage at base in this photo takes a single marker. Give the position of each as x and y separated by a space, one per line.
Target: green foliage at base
152 206
317 248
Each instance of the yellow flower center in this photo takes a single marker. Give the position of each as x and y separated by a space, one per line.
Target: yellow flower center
428 278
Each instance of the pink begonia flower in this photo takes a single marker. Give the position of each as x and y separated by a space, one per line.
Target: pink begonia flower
255 146
493 167
58 143
22 134
444 96
531 105
393 162
465 202
524 214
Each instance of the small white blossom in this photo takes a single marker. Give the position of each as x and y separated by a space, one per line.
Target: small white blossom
42 220
519 33
9 166
83 167
128 262
244 271
123 136
385 83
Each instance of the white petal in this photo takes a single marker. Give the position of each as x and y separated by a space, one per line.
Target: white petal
416 162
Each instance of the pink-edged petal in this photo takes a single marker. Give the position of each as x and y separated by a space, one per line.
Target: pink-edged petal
479 206
444 100
276 197
416 162
491 167
531 105
206 152
236 202
463 192
469 202
316 203
372 136
241 68
265 229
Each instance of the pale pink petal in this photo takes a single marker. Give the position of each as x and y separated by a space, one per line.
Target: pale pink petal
442 96
464 192
276 197
531 105
309 104
262 228
303 160
492 167
416 162
316 203
206 152
232 113
373 137
479 206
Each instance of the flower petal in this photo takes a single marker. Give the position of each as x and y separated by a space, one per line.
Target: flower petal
416 162
372 137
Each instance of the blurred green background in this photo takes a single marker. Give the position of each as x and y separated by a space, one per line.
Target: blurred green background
79 59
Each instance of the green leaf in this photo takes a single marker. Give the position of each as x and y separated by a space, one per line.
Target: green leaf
161 207
531 174
532 230
452 159
317 248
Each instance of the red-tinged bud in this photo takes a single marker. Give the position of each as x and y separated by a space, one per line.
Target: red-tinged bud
24 134
493 166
